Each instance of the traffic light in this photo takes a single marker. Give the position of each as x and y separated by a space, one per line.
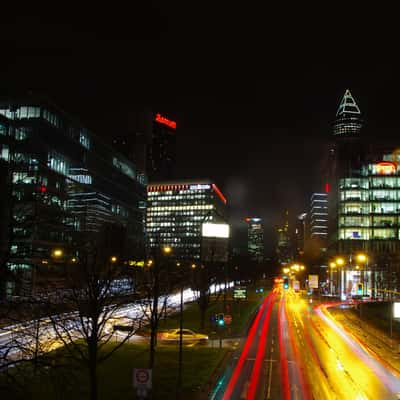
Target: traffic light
286 283
359 288
220 319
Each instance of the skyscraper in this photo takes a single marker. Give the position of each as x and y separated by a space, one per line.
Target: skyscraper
348 121
347 154
176 211
150 143
284 249
319 217
255 239
161 152
301 234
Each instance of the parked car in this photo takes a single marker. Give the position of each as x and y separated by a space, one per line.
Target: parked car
188 336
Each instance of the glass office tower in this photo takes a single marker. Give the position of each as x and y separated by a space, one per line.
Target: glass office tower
176 211
61 181
255 239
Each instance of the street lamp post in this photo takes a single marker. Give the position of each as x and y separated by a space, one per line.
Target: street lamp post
179 388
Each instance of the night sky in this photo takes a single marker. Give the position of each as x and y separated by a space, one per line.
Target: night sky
254 91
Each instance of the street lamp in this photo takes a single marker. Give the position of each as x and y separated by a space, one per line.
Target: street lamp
286 270
57 253
113 259
167 250
179 386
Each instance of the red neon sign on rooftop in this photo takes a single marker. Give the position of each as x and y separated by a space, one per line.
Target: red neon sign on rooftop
165 121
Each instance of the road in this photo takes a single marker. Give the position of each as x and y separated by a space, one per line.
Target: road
22 340
296 350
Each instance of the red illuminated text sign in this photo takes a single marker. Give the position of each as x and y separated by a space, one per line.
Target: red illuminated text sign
385 168
165 121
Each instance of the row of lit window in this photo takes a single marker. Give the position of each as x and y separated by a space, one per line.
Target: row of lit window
368 234
182 192
175 244
177 199
177 224
179 208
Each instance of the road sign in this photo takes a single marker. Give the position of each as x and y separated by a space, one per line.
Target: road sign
240 292
142 378
141 393
227 319
313 281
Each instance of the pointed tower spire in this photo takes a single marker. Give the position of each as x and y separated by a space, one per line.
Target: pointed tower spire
348 117
348 105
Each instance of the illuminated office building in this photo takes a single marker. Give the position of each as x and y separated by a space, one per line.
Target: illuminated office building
176 211
255 239
301 234
348 117
62 181
369 205
319 217
284 246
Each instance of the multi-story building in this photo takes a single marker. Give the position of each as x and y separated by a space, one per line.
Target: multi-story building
61 181
255 239
319 218
369 207
347 154
176 211
151 143
301 234
364 206
284 245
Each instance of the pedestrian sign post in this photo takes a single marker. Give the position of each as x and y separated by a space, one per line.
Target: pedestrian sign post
142 381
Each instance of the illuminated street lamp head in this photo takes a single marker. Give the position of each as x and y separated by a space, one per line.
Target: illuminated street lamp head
357 267
178 264
302 267
58 253
149 263
167 249
113 259
332 265
286 270
361 257
193 266
339 261
74 260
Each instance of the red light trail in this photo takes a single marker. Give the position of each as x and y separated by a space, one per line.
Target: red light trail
232 382
283 357
255 375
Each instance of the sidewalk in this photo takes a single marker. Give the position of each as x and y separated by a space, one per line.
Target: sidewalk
386 349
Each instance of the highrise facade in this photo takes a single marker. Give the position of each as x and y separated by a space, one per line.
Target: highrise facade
176 211
301 234
255 239
284 246
364 206
319 217
61 181
346 156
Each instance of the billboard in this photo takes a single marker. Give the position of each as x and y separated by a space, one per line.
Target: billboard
239 292
313 281
215 230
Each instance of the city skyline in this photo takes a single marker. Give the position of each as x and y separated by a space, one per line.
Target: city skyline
256 123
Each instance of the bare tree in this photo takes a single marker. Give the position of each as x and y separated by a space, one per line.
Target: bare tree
99 289
156 284
204 276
